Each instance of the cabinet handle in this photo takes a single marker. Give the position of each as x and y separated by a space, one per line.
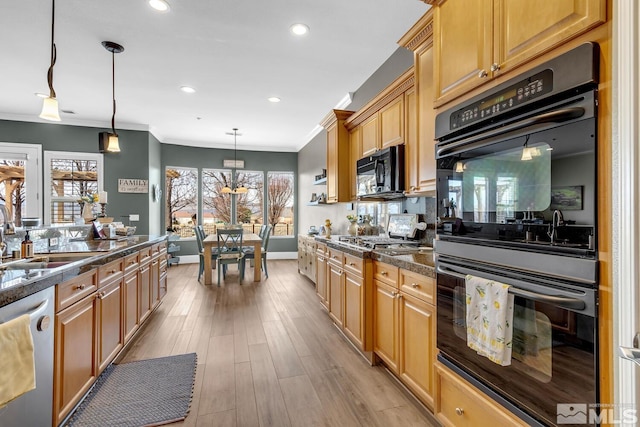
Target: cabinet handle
482 74
415 285
459 411
399 295
81 287
384 273
495 67
352 264
101 295
394 294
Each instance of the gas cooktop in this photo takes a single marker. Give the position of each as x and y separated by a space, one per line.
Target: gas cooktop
374 242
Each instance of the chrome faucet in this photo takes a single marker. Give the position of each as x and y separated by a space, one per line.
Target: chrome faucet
556 221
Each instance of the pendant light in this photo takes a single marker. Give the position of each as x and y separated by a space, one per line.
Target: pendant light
235 190
108 141
50 104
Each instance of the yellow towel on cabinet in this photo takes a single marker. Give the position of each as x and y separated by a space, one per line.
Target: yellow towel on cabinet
489 319
17 362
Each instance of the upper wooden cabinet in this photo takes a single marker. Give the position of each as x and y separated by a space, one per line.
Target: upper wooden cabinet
355 153
339 176
477 40
419 111
381 122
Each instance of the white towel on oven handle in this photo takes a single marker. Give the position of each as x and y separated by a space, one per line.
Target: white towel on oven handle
489 318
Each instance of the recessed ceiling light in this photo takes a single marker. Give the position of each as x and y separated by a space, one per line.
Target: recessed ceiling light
159 5
187 89
299 29
41 95
274 99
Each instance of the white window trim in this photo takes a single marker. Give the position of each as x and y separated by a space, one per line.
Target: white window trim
48 156
32 154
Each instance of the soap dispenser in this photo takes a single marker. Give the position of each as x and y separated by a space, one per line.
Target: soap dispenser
27 246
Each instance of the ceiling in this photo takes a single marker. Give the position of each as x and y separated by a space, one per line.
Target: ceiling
236 54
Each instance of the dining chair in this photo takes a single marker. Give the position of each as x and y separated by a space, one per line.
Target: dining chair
250 253
230 251
200 235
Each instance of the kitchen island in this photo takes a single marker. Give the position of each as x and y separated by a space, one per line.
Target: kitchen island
86 299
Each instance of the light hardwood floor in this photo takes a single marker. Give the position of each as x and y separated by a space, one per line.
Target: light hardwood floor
268 355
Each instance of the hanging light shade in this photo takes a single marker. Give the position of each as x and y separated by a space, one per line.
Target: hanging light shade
235 190
50 104
108 141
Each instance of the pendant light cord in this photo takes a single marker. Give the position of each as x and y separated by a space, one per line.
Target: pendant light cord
52 92
113 91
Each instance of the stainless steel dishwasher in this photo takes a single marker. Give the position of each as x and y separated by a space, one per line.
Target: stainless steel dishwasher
34 408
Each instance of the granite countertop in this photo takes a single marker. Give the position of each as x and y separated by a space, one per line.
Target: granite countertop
19 279
417 260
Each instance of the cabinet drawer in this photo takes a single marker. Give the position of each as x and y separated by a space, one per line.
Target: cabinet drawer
131 263
144 256
458 403
75 289
109 272
419 286
336 257
321 249
353 264
386 273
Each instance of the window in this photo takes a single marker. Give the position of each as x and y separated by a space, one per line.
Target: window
280 191
70 176
250 206
182 200
216 206
20 183
506 198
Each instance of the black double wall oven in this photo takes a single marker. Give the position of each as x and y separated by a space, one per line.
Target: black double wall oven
516 195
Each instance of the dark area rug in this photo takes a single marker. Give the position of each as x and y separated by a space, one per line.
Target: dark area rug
143 393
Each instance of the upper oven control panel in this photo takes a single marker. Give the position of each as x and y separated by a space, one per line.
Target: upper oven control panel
514 95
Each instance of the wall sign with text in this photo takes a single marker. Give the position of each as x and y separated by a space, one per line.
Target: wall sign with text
133 185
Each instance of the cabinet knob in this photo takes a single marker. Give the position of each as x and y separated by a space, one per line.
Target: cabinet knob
415 285
81 287
459 411
482 74
495 67
394 294
384 273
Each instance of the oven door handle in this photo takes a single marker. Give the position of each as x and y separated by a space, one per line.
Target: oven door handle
554 116
566 302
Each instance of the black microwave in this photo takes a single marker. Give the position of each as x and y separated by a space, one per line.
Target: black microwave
381 174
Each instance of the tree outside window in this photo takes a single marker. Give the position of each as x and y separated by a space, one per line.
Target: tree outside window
280 191
182 200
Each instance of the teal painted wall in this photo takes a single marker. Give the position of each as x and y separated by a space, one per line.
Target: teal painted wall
126 164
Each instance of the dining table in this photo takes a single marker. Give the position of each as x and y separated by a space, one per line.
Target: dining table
248 239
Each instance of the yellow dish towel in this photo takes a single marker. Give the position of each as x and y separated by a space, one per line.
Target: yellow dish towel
489 319
17 364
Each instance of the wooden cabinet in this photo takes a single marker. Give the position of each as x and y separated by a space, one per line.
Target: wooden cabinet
419 111
76 335
385 323
355 154
358 315
370 135
322 289
144 284
336 286
339 176
384 128
460 404
476 41
307 257
130 296
404 332
110 327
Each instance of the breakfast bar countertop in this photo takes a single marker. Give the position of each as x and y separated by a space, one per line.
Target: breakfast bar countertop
19 279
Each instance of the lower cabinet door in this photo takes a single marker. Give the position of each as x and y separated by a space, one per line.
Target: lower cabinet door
111 332
144 292
385 324
75 367
131 319
417 346
336 294
354 309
